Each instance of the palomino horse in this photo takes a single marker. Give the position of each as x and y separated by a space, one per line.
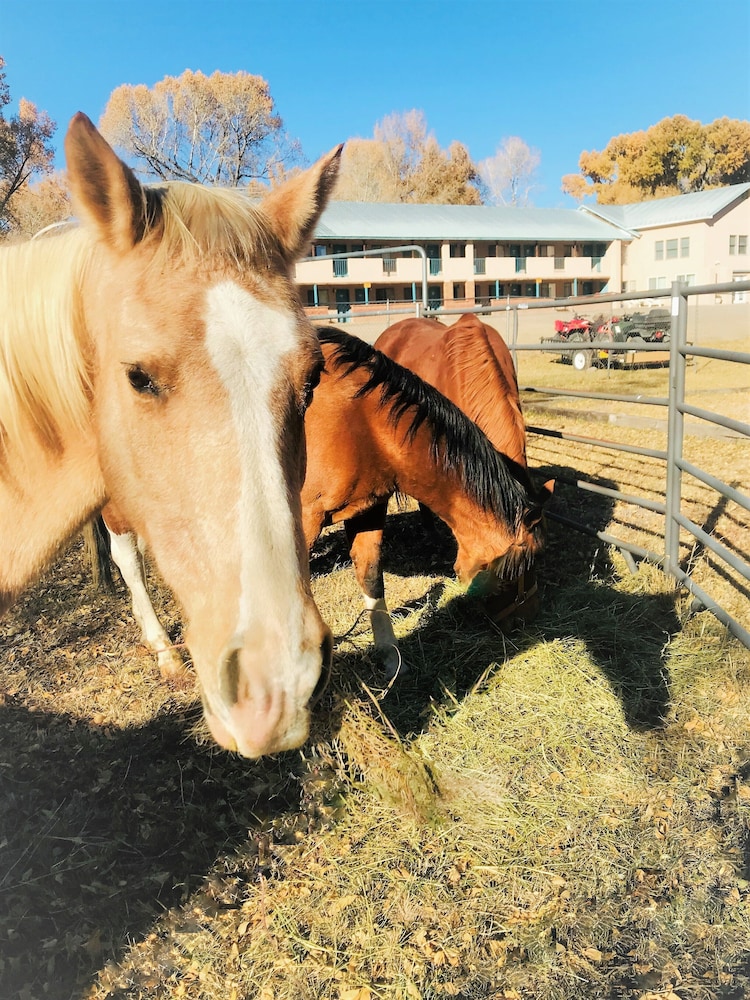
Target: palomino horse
157 356
470 363
373 429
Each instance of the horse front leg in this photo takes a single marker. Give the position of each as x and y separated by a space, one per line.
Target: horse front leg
128 557
364 533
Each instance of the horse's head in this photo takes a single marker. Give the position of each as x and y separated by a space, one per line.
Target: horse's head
498 563
202 366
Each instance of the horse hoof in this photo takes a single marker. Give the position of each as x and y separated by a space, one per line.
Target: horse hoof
392 663
173 670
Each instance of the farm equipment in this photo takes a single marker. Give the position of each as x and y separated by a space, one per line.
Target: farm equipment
629 330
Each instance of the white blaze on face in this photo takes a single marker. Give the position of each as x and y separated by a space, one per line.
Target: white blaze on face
247 341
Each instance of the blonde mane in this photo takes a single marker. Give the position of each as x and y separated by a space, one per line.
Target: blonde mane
45 380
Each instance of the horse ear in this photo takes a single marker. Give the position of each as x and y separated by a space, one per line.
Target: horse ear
532 516
294 207
105 192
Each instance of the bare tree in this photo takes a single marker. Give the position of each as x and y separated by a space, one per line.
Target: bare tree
508 176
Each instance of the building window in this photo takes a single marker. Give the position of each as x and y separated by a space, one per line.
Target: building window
655 283
409 294
659 250
688 279
381 294
520 265
685 246
459 290
458 249
737 245
479 265
389 265
340 268
672 249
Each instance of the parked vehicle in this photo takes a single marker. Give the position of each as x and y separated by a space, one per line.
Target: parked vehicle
630 330
653 326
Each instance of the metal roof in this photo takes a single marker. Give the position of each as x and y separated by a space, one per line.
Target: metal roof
697 207
409 223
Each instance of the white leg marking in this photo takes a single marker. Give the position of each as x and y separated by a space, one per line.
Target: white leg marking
383 635
127 555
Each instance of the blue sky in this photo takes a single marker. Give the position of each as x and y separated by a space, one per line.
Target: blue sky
564 75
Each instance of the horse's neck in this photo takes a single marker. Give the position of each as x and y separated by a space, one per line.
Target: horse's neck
421 473
487 394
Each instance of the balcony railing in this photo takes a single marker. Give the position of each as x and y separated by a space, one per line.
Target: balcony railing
520 265
435 265
480 265
340 268
389 265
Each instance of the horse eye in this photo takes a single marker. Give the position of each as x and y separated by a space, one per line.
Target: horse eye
142 382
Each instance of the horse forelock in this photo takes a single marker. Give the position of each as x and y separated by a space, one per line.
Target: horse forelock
44 379
494 481
193 221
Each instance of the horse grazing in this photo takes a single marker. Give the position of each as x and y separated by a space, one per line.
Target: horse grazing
373 429
156 356
470 363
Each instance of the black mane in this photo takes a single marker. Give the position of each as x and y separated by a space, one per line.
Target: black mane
496 483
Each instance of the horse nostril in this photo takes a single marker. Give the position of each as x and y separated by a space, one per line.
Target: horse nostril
326 653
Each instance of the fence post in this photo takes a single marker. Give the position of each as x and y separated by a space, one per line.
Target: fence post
675 425
514 339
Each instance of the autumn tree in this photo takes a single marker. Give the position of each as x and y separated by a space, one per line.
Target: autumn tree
40 204
218 129
25 149
675 156
507 178
405 163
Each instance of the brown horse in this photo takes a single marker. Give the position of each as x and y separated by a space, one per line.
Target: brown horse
373 429
157 356
470 363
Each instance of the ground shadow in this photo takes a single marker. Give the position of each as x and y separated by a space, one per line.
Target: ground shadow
101 830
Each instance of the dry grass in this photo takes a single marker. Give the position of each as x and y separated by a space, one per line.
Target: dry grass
557 813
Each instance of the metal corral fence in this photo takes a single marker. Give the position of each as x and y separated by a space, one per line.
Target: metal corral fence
680 352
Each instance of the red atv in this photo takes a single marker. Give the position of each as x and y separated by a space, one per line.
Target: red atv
580 329
578 325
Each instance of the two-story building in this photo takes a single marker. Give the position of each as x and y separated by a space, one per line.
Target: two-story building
699 238
479 254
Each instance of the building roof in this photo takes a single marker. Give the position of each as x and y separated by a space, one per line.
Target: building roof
410 223
700 206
